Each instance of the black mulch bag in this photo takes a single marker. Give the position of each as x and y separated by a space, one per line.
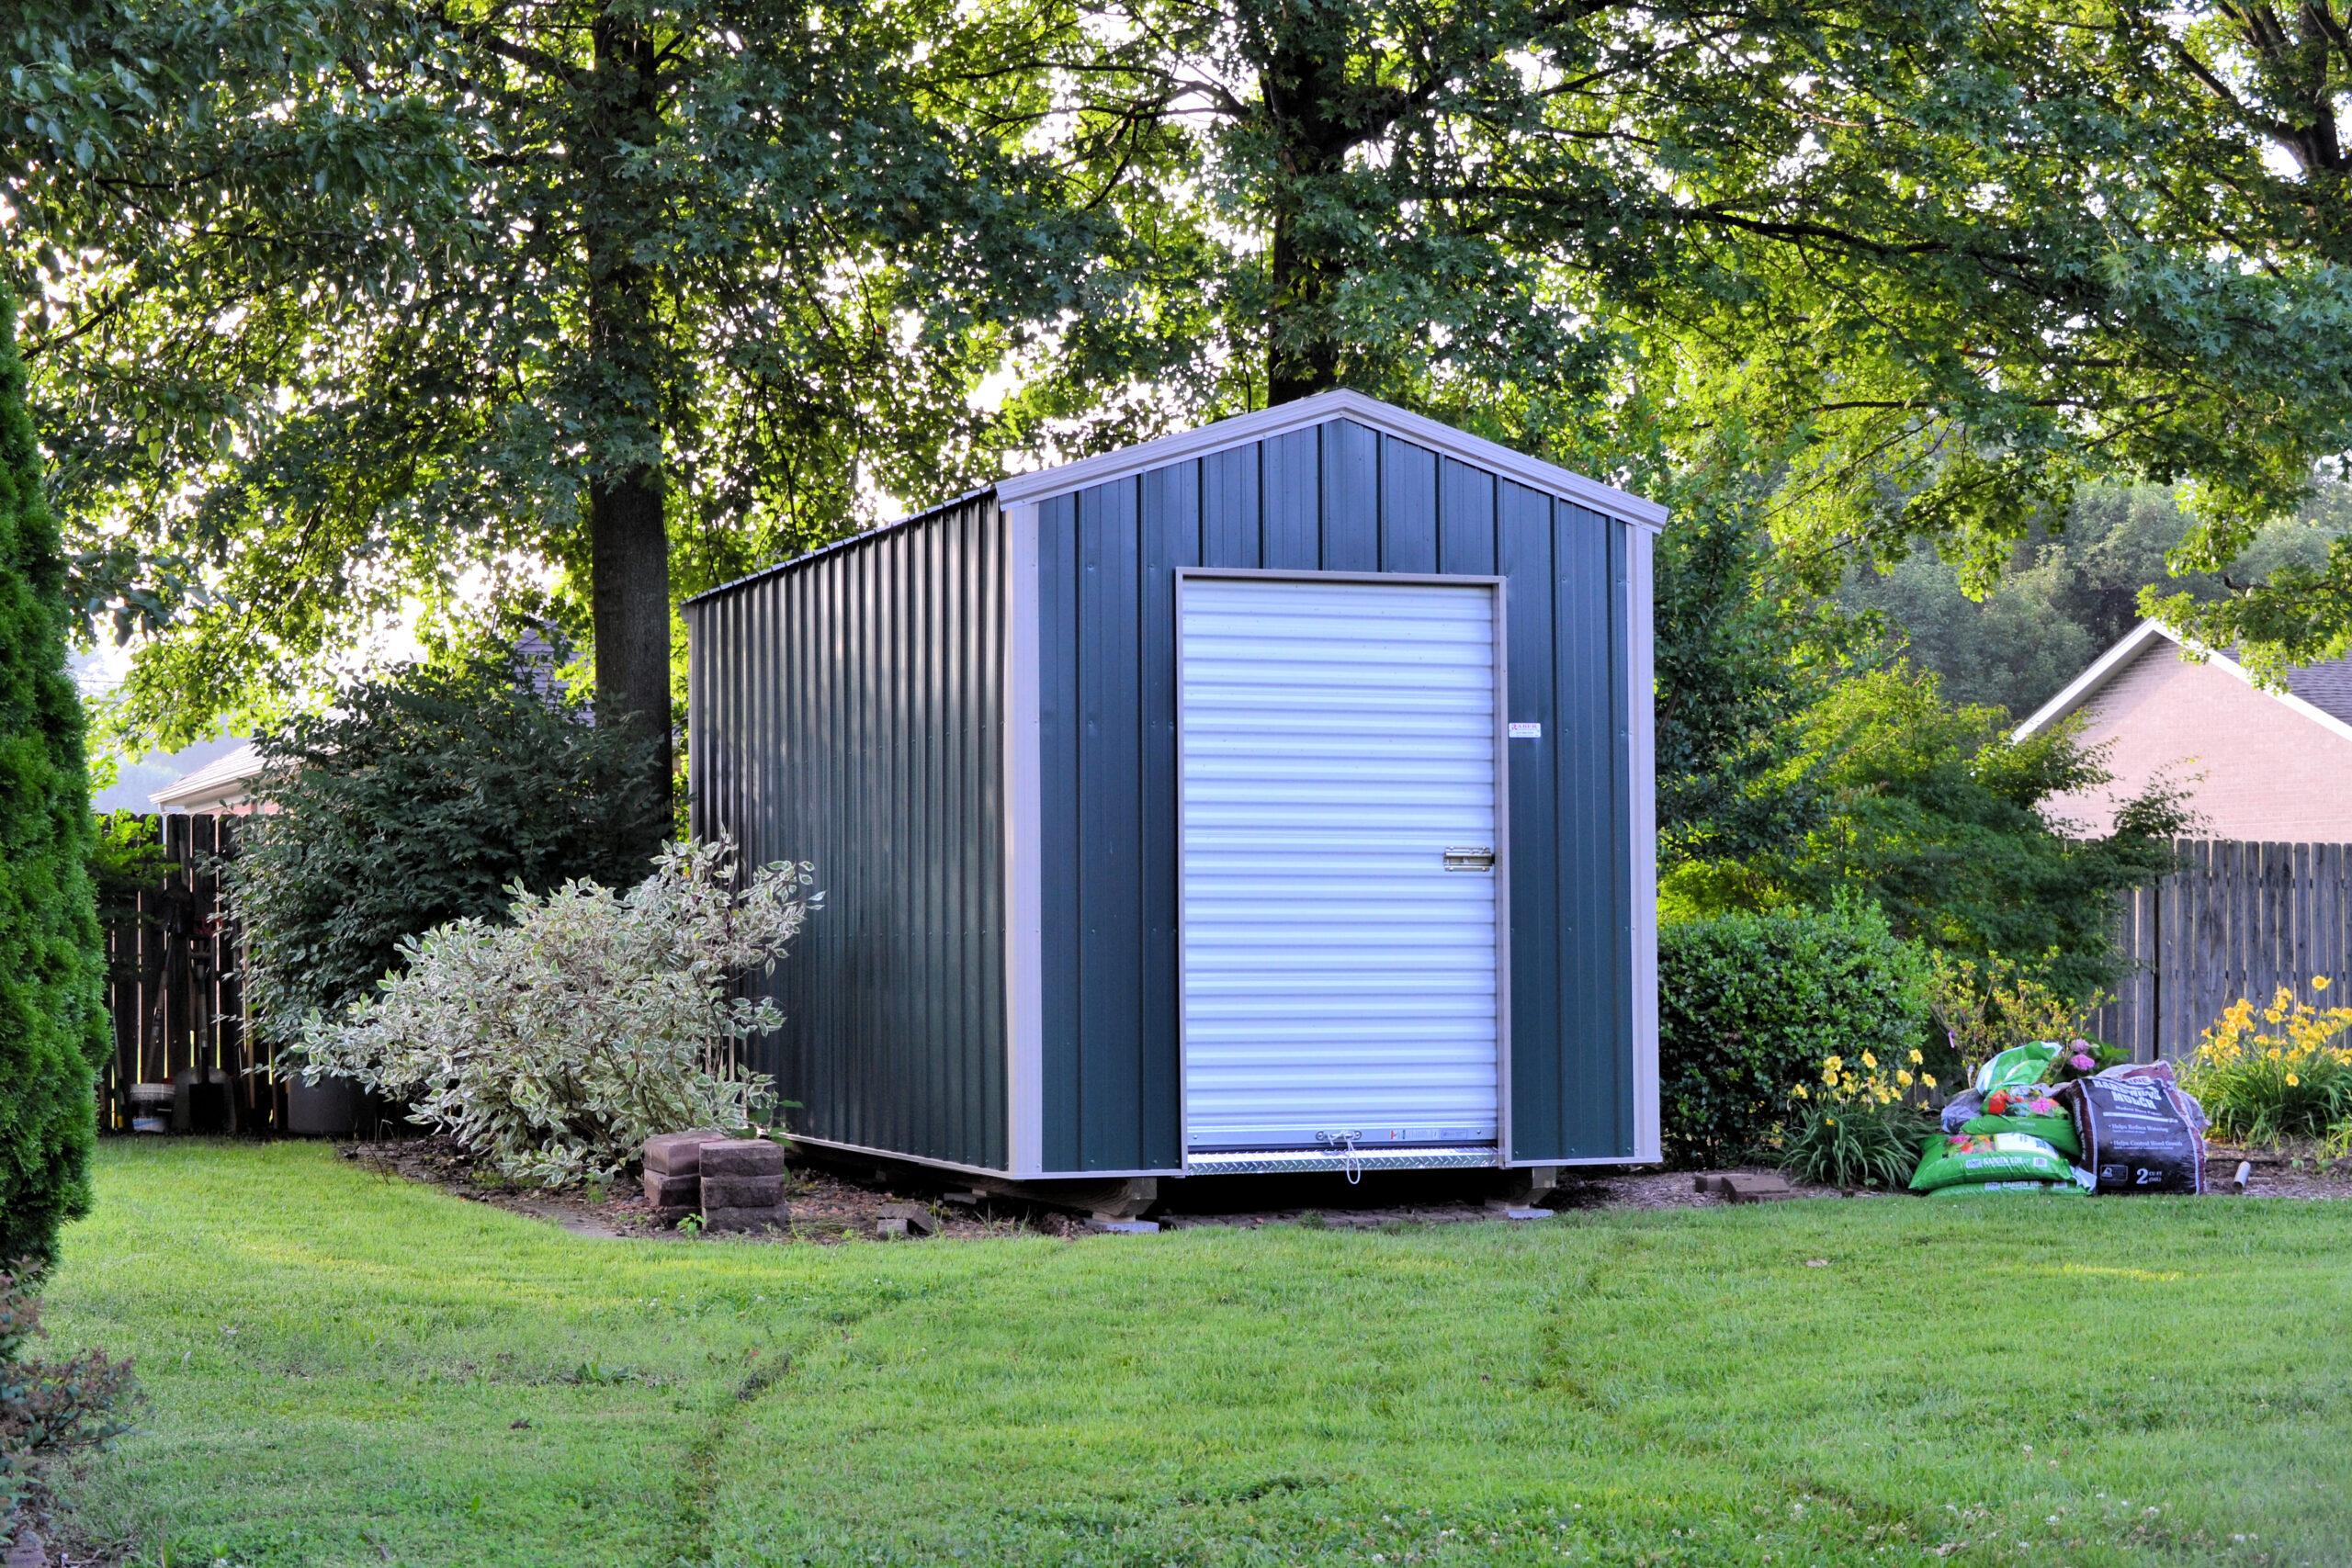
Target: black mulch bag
2135 1138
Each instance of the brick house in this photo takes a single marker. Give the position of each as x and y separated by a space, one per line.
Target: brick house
2258 765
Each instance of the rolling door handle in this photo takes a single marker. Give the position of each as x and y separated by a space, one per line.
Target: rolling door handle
1470 860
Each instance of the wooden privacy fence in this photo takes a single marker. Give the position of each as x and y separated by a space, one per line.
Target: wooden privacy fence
2238 919
172 987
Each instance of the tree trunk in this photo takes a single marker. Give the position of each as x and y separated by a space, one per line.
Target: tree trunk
628 563
629 534
1303 88
1302 357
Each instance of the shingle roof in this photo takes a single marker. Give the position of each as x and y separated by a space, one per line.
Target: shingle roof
2328 687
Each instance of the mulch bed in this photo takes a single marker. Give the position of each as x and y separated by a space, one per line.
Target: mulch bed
831 1207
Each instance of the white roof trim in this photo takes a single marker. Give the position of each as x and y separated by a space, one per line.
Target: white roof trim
221 781
2086 685
1305 413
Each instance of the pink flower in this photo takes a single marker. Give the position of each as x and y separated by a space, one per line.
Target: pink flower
2081 1063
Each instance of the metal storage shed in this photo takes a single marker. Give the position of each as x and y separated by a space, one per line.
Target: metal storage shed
1272 797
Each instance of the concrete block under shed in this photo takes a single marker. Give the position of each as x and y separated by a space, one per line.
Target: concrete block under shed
679 1154
719 1221
905 1219
741 1156
742 1191
1744 1187
668 1191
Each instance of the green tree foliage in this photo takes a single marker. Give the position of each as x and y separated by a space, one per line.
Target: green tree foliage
1749 1004
2065 600
1738 663
52 1014
420 800
1933 264
343 300
1936 815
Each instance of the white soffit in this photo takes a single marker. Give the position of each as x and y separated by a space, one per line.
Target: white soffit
1306 413
2087 684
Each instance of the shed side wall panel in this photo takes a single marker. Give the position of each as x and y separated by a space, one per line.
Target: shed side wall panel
1111 1012
848 711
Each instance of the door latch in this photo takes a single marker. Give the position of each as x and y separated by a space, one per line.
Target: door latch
1470 860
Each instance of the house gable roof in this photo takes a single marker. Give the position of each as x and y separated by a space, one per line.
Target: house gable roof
223 779
2320 692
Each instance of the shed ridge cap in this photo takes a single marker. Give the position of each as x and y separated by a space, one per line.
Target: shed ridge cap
1321 409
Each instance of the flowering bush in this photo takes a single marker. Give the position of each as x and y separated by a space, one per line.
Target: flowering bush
1856 1128
1990 1006
1866 1080
558 1044
2281 1073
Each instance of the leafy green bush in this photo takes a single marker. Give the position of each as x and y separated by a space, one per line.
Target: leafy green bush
420 801
48 1409
52 1012
1750 1006
557 1042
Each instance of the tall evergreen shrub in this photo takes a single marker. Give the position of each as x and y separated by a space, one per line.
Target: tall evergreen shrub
52 1014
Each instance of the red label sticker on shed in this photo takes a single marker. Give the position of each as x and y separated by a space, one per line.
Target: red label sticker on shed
1525 732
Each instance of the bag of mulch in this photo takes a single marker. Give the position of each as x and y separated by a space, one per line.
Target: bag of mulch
2055 1128
2136 1137
1977 1189
1946 1159
2161 1072
2019 1066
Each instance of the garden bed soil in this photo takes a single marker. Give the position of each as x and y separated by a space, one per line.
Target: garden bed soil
829 1206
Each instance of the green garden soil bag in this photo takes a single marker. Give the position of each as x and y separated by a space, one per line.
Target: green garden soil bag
2017 1067
1948 1158
2056 1130
1987 1188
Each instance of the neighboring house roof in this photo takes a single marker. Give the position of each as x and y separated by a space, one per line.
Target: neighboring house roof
2321 693
221 784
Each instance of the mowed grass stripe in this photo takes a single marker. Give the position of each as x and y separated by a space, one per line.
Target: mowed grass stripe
2027 1378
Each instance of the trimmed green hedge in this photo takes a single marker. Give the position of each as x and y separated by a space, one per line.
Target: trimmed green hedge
52 1010
1748 1005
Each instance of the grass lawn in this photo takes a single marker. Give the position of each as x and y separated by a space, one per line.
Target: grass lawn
344 1369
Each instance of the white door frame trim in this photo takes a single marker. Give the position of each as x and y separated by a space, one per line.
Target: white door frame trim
1497 591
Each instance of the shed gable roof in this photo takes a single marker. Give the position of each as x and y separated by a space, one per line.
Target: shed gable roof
1324 407
2319 692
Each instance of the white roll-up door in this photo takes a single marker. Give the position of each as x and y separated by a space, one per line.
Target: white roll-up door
1337 742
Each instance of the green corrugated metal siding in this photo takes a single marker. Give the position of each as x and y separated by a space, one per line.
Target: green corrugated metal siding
1336 498
847 709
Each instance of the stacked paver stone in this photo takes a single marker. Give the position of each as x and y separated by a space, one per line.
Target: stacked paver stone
674 1172
742 1185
